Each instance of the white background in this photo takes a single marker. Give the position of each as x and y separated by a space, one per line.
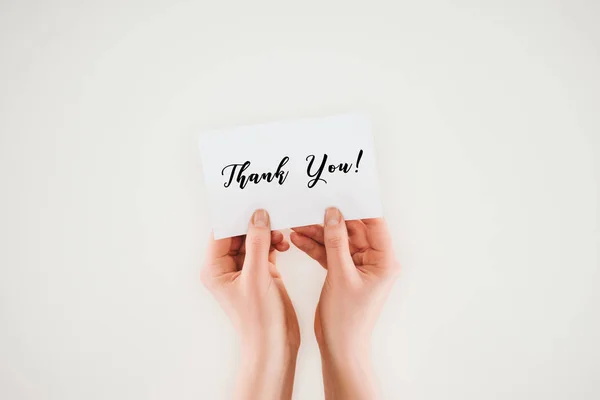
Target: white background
488 140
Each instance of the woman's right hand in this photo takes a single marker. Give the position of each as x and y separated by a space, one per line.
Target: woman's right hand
361 269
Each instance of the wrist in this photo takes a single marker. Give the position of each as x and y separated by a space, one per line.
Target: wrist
344 346
264 346
268 356
345 353
266 373
348 374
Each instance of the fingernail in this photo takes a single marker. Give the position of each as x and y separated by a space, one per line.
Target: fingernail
260 218
332 216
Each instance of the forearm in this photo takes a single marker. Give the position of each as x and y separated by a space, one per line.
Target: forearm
266 376
347 375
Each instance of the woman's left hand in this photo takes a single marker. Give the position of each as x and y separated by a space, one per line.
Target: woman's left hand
242 275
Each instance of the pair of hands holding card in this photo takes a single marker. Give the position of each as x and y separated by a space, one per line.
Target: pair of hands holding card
241 272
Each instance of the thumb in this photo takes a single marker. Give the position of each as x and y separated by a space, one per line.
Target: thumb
336 241
258 243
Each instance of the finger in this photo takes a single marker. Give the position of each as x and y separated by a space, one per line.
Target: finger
378 234
258 243
272 260
315 232
315 250
218 248
281 246
357 236
217 261
279 242
336 241
276 237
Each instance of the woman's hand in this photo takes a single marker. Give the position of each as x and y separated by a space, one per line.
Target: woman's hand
242 275
361 269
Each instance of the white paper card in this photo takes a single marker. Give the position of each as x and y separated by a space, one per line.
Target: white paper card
293 169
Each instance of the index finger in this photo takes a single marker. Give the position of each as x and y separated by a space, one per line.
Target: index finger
378 234
218 248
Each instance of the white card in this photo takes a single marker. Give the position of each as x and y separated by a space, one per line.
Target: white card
293 169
